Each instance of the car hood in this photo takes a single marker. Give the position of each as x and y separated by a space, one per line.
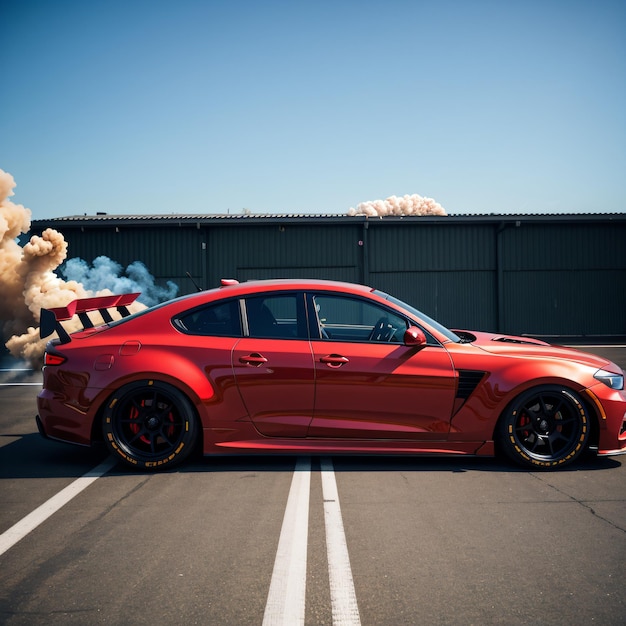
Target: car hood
510 345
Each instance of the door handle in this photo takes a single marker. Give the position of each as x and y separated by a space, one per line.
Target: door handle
334 360
254 359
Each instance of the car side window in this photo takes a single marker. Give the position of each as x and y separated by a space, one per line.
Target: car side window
354 319
279 316
221 319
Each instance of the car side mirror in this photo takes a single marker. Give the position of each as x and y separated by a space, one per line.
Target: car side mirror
414 337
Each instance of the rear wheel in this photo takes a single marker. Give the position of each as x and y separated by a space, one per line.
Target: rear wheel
545 427
150 425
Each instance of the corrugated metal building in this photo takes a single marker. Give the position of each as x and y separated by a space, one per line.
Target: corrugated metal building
534 274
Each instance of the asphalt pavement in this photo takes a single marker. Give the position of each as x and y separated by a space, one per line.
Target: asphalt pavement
430 541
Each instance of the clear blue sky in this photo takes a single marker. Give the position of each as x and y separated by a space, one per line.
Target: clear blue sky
312 107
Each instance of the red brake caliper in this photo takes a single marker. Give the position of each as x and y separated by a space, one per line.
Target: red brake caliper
134 414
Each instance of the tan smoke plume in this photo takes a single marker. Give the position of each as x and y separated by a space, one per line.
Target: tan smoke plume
403 205
27 279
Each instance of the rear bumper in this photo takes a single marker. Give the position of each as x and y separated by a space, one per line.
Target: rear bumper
40 427
61 418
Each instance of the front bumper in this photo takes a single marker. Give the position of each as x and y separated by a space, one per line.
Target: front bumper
610 406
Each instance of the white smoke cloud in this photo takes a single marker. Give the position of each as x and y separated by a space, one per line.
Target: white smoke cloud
106 274
403 205
29 283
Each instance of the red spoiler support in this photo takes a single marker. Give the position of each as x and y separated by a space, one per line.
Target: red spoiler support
51 318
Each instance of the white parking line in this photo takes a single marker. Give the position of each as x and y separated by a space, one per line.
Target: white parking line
580 346
287 594
27 524
20 384
345 610
14 370
286 601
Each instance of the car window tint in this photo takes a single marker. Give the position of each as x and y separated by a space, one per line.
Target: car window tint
352 319
221 320
275 316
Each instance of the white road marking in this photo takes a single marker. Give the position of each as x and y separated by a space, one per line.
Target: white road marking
287 594
286 601
13 370
20 384
345 609
27 524
581 347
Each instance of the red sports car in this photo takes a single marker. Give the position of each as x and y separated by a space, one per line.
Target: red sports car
317 367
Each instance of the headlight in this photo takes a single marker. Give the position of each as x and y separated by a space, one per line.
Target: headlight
614 381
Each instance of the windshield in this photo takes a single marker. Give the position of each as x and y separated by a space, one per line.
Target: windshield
431 322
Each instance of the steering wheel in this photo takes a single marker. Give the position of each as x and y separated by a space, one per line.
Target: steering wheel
382 331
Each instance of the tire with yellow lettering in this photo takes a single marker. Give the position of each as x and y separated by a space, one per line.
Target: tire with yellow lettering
149 425
544 427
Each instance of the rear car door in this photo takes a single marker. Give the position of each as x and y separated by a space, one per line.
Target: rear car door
369 385
273 365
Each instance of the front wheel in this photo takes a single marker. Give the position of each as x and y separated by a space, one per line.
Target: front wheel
545 427
149 425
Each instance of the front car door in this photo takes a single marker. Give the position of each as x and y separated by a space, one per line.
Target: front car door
369 385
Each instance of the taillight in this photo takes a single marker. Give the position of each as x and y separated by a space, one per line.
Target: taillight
52 358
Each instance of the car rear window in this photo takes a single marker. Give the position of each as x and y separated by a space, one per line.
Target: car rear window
221 319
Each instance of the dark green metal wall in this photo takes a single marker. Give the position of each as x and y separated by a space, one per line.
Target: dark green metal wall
282 251
539 275
447 271
565 279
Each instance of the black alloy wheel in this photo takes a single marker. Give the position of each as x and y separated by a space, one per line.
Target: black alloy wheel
150 425
545 427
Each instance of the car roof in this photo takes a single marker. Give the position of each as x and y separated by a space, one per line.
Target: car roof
232 288
252 286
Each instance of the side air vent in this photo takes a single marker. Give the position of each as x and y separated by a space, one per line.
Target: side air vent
468 381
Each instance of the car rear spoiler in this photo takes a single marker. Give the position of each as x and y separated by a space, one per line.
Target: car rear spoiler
51 318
